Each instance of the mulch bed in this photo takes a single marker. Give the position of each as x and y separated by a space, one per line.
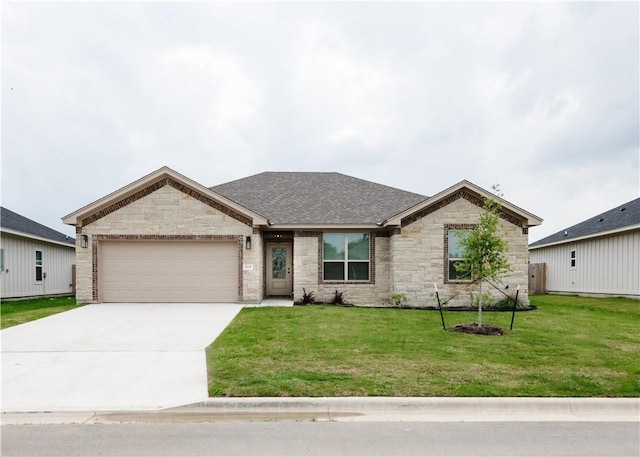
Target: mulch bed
474 328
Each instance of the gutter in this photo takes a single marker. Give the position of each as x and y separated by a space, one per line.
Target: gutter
39 238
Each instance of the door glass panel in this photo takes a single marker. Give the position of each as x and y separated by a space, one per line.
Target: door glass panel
38 265
279 263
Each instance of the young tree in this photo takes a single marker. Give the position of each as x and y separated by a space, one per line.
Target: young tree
484 247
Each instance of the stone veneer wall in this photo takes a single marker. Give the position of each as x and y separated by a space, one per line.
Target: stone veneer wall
418 259
168 212
307 265
253 284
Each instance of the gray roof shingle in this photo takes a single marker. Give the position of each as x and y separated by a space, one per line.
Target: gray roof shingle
317 198
617 218
14 221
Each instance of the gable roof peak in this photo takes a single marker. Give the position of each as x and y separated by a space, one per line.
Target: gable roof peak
476 193
149 183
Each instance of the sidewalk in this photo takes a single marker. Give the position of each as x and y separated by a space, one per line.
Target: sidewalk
419 409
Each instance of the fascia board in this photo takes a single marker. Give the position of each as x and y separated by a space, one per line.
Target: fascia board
628 228
135 186
37 238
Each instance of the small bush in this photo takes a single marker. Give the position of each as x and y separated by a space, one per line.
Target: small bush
337 299
307 297
398 299
506 304
487 300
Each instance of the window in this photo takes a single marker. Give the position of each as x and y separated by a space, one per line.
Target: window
1 259
455 236
38 265
346 256
573 258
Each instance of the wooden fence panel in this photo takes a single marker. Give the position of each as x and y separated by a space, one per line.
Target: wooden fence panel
73 280
537 278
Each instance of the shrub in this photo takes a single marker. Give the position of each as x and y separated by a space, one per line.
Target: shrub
487 300
307 297
398 299
338 298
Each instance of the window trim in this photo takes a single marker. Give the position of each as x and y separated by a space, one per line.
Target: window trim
39 265
370 262
446 260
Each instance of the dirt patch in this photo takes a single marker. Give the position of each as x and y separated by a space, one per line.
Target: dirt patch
473 327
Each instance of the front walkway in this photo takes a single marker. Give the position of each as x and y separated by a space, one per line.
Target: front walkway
111 357
273 301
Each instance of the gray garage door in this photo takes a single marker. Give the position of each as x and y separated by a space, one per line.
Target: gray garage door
168 271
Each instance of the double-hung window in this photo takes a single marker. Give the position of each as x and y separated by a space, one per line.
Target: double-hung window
38 265
455 236
346 256
573 258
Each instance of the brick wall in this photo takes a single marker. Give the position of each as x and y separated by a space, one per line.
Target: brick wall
166 212
307 261
419 259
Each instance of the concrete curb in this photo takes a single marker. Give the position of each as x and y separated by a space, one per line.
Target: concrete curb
362 409
441 408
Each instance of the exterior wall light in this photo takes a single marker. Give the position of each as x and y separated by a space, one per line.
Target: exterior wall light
247 242
84 241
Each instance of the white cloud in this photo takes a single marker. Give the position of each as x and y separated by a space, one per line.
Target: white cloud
539 97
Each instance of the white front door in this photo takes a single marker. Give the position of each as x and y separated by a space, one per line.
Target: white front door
279 267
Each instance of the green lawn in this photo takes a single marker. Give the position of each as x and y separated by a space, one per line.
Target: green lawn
16 312
569 346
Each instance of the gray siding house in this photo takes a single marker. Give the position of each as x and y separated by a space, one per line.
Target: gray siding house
599 256
34 259
167 238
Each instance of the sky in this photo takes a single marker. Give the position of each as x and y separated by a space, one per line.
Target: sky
541 98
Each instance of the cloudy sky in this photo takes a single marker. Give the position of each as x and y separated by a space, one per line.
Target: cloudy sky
541 98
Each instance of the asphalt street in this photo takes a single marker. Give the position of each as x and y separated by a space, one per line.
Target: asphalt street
325 438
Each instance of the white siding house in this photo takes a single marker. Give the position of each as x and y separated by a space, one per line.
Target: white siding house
599 256
34 259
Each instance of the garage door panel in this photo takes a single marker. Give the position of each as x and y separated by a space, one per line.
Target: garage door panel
169 271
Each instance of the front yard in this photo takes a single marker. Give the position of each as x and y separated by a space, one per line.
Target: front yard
14 312
569 346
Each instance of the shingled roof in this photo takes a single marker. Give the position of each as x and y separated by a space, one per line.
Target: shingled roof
15 222
626 215
317 198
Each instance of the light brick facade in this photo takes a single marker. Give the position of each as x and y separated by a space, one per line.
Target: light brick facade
407 256
420 259
410 261
166 213
308 263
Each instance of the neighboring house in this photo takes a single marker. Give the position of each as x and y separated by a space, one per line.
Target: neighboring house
166 238
34 259
599 256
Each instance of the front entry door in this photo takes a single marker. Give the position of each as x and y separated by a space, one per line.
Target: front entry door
279 266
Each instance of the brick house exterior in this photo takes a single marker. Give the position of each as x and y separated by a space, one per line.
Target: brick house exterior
281 232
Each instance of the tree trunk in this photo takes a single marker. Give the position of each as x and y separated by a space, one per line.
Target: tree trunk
480 304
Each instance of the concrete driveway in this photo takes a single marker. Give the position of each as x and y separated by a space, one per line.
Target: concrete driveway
111 357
